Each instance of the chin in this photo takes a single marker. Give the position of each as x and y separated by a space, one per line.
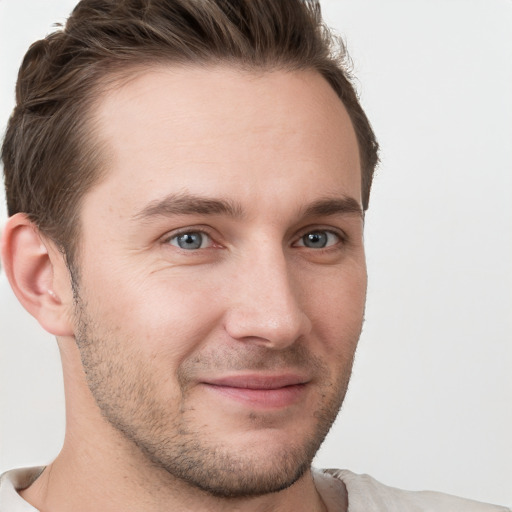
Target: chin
234 465
234 474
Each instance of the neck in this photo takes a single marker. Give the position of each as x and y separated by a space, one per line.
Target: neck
99 469
83 485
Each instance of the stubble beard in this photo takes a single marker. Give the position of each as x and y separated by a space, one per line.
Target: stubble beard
126 392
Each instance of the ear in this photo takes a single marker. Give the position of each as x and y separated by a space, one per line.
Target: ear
38 275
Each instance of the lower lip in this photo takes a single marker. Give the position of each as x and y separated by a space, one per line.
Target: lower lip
262 398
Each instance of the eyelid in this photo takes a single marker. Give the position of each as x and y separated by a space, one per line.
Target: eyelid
312 229
205 241
203 230
208 232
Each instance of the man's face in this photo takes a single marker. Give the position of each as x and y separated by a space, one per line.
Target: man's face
221 274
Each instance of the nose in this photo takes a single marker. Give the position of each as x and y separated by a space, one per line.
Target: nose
266 304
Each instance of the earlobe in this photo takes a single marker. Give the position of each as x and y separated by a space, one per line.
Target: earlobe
35 269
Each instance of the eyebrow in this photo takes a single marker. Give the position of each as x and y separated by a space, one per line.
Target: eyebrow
190 204
333 206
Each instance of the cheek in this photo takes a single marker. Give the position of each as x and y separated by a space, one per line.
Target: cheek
336 307
156 316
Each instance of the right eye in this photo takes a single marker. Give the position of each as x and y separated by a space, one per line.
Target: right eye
191 240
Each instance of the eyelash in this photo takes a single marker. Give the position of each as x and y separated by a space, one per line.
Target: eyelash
308 230
341 238
189 230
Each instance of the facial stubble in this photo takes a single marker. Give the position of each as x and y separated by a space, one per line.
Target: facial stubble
127 393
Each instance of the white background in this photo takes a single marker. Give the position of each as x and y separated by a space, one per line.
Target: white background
430 404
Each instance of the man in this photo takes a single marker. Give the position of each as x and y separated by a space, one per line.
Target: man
186 184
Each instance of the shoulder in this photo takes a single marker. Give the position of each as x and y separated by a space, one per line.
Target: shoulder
13 481
365 494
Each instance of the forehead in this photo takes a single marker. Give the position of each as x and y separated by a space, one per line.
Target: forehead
220 130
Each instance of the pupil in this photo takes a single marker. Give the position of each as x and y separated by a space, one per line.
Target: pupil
190 241
315 240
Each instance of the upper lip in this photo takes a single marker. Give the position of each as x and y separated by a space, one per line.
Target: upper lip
258 381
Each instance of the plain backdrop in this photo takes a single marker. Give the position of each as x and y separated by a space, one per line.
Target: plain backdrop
430 403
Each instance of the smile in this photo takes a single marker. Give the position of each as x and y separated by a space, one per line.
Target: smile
261 391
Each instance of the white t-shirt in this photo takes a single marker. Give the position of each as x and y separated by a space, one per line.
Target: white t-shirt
364 494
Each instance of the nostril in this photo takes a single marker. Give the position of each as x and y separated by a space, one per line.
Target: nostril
266 303
272 328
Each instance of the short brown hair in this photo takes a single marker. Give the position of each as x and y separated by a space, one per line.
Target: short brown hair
49 155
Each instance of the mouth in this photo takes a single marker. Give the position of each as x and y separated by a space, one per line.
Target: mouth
260 391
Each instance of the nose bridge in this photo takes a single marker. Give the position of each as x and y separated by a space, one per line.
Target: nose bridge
266 307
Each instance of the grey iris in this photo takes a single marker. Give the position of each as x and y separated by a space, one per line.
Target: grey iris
315 240
190 240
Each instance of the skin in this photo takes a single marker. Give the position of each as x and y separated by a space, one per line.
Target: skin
160 342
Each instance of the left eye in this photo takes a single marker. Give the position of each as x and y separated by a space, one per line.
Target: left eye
191 240
318 239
